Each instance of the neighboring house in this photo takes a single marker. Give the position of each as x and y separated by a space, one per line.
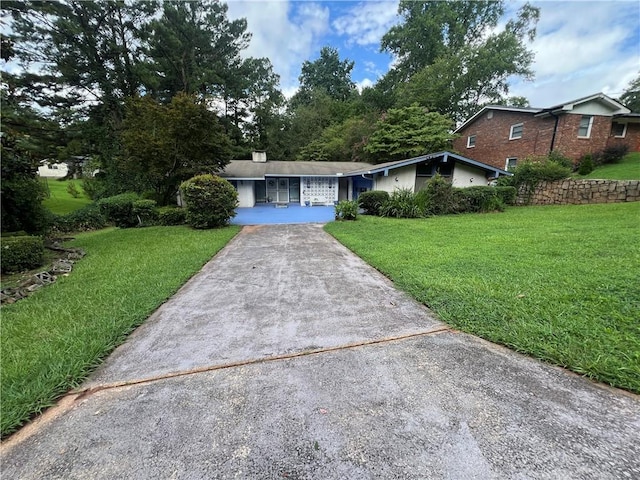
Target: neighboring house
325 183
52 170
501 136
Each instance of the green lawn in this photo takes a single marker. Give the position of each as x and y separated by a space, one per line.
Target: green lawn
52 340
559 283
60 201
627 169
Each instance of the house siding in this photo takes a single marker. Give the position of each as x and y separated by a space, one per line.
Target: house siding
631 138
468 176
400 178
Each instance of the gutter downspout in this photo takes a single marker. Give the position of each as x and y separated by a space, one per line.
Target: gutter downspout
555 129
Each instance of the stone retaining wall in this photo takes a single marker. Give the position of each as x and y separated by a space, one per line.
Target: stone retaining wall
570 191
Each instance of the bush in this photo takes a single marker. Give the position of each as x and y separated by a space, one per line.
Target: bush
82 220
560 159
22 209
210 201
172 216
145 212
507 194
531 172
437 197
119 209
586 166
94 188
72 189
478 199
21 253
371 201
612 154
347 210
402 204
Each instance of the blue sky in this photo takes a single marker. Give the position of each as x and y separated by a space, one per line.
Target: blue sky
582 47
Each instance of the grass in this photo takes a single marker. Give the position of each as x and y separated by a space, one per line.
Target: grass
559 283
60 201
52 340
627 169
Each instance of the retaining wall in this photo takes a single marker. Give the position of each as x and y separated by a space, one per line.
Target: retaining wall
571 192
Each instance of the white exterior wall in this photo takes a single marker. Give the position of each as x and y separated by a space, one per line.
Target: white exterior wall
468 176
398 178
54 170
318 190
595 108
246 193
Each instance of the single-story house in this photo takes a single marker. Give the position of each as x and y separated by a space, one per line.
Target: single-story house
501 135
53 170
326 183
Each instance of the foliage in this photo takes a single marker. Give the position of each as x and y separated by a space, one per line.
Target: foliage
437 197
119 209
528 174
166 145
559 158
63 332
449 61
58 200
72 189
627 169
611 154
347 210
402 203
372 200
507 194
84 219
210 201
478 199
145 212
172 216
409 132
21 253
585 165
328 75
541 280
631 96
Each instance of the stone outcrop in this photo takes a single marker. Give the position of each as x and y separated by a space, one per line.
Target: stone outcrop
574 192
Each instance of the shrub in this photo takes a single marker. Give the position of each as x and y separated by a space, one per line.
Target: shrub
72 189
172 216
611 154
210 201
22 208
531 172
145 212
371 201
586 166
82 220
478 199
347 210
402 204
560 159
21 253
93 188
437 197
507 194
119 209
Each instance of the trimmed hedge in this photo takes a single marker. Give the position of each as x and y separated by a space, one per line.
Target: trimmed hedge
372 200
211 201
479 199
119 209
82 220
145 212
172 216
21 253
508 195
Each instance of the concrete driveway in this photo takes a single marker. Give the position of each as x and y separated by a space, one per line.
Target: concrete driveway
288 357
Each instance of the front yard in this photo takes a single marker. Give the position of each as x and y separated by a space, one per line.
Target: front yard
52 340
559 283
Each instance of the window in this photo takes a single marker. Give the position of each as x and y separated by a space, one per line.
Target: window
471 141
511 163
585 126
618 130
516 131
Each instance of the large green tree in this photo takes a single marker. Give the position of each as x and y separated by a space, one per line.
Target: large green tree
631 96
167 144
409 132
451 56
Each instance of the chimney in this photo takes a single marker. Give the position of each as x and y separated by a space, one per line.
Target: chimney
259 156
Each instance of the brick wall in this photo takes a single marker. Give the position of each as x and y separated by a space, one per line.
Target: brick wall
631 138
574 147
571 192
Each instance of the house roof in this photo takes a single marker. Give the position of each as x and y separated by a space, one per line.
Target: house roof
562 107
250 170
442 156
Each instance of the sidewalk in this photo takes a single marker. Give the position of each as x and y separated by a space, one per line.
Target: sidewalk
288 357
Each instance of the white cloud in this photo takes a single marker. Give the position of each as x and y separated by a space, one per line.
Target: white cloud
364 84
583 48
285 32
367 22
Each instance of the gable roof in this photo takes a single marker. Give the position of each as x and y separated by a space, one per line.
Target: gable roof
250 170
615 106
443 156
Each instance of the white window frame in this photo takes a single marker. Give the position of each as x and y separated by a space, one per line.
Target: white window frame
511 135
506 163
588 135
469 145
624 130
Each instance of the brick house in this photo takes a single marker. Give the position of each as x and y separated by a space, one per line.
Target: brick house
500 136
